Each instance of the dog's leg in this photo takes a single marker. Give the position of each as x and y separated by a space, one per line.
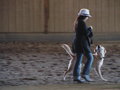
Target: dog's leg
96 72
95 63
68 70
98 68
70 67
72 60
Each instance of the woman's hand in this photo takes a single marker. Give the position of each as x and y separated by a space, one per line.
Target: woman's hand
90 28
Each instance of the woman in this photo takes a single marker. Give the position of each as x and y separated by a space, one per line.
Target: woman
81 46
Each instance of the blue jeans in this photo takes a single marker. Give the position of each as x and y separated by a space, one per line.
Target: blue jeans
88 65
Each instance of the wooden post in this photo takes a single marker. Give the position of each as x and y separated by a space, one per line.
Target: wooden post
46 15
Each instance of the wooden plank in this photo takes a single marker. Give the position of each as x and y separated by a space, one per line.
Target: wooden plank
76 8
83 4
1 16
118 30
92 7
70 16
12 16
105 20
55 15
58 16
117 16
111 15
31 6
38 24
61 16
74 15
98 16
42 16
19 15
65 15
6 15
26 16
51 16
46 15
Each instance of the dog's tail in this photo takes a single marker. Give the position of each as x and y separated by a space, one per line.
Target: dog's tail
68 50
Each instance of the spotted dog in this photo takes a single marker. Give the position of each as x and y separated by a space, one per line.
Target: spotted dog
99 55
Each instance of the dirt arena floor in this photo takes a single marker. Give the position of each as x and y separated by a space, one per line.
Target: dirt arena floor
27 63
64 87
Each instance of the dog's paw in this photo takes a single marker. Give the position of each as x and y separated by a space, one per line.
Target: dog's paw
64 78
104 79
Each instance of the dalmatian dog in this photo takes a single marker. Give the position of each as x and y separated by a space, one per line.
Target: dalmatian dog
99 55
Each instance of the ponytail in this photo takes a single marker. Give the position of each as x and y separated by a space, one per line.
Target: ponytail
75 24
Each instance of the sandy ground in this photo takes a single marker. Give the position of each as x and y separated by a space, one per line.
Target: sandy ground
30 63
64 87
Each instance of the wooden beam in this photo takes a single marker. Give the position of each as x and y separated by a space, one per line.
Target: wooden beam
46 15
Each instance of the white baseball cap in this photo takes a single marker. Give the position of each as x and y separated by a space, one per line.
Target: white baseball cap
84 12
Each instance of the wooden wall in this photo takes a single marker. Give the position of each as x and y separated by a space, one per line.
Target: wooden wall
49 16
21 16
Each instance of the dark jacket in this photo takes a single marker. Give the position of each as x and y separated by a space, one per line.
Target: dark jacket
82 39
